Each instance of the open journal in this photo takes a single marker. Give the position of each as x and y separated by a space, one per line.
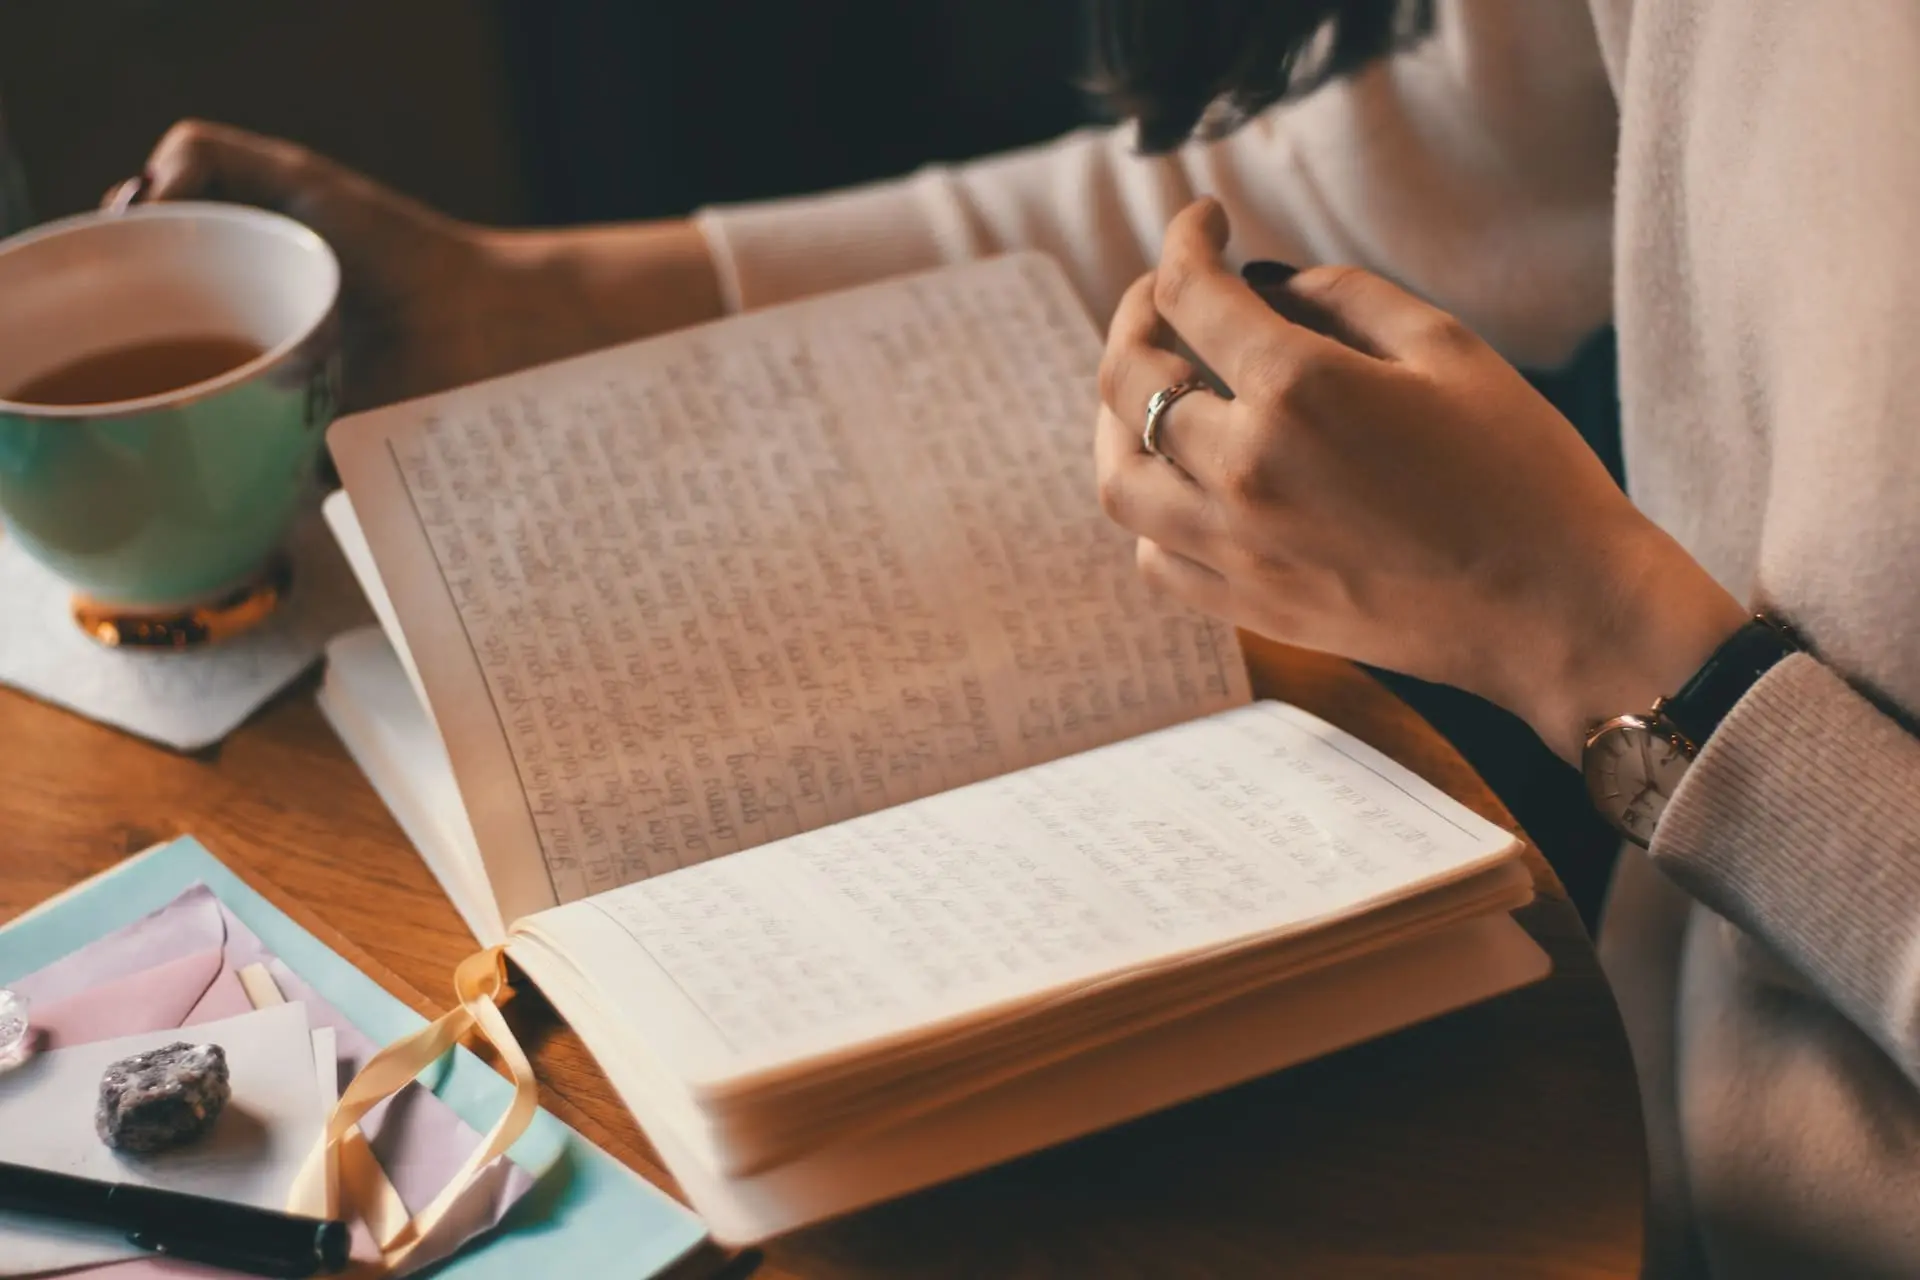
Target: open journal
778 693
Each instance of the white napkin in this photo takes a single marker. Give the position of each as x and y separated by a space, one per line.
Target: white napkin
183 700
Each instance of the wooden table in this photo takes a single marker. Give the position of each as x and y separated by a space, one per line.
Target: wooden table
1501 1141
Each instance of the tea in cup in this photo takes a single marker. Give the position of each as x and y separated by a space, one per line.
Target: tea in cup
167 375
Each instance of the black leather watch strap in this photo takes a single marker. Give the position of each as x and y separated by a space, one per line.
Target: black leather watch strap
1735 667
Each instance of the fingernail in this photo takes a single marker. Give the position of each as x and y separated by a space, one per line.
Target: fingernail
1219 227
1264 274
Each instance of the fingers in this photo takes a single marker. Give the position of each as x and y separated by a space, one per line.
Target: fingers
1378 316
1193 584
1137 364
1146 495
1136 322
197 160
1217 313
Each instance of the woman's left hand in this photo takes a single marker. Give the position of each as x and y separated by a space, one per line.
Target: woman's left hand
1388 489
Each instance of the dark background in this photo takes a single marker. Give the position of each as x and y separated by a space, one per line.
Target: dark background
543 110
561 111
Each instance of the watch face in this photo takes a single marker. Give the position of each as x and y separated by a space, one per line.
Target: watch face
1632 767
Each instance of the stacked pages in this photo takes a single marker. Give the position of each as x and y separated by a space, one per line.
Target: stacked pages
777 691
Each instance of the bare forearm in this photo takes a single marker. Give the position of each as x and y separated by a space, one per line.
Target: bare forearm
618 281
1634 633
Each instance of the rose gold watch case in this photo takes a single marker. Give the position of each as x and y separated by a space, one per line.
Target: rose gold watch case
1635 814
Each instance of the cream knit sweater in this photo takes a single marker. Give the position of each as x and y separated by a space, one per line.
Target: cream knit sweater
1733 182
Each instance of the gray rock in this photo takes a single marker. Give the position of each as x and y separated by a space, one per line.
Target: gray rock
163 1098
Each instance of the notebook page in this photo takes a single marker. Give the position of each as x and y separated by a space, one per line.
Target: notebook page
756 578
1249 823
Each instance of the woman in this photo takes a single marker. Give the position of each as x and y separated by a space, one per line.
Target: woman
1729 180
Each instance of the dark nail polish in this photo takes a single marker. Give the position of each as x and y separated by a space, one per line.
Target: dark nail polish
1269 280
1268 275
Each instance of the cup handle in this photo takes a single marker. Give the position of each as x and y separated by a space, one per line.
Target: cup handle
127 194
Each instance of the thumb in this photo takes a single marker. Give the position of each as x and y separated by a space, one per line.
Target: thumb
1373 314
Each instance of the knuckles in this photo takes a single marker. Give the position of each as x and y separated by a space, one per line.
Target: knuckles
1290 385
1341 289
1246 475
187 137
1442 332
1333 287
204 147
1125 386
1114 367
1171 281
1112 489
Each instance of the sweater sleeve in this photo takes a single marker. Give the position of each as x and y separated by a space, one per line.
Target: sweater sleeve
1475 169
1800 823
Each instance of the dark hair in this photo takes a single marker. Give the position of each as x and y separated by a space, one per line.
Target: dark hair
1187 67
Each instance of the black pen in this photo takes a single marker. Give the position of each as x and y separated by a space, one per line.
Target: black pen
191 1228
1269 280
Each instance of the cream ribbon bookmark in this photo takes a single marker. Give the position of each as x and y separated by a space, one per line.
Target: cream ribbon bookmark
478 983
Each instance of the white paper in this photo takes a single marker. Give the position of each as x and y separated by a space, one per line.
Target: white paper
181 700
251 1157
754 579
1246 824
344 523
386 729
326 1064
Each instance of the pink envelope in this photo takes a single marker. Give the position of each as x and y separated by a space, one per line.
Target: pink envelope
178 993
192 989
179 966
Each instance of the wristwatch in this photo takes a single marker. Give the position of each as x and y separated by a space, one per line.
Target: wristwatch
1633 763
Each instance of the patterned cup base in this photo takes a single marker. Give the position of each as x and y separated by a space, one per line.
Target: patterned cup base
239 610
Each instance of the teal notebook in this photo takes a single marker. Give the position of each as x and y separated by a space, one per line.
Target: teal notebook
589 1215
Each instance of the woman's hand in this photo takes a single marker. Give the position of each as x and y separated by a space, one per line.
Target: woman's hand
430 302
1388 489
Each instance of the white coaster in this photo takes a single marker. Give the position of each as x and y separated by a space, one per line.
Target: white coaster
182 700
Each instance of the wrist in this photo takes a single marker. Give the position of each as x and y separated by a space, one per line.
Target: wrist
1640 639
623 280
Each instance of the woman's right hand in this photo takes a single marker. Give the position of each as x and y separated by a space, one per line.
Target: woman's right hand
430 302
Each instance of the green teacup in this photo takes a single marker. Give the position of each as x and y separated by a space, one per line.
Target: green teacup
167 375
